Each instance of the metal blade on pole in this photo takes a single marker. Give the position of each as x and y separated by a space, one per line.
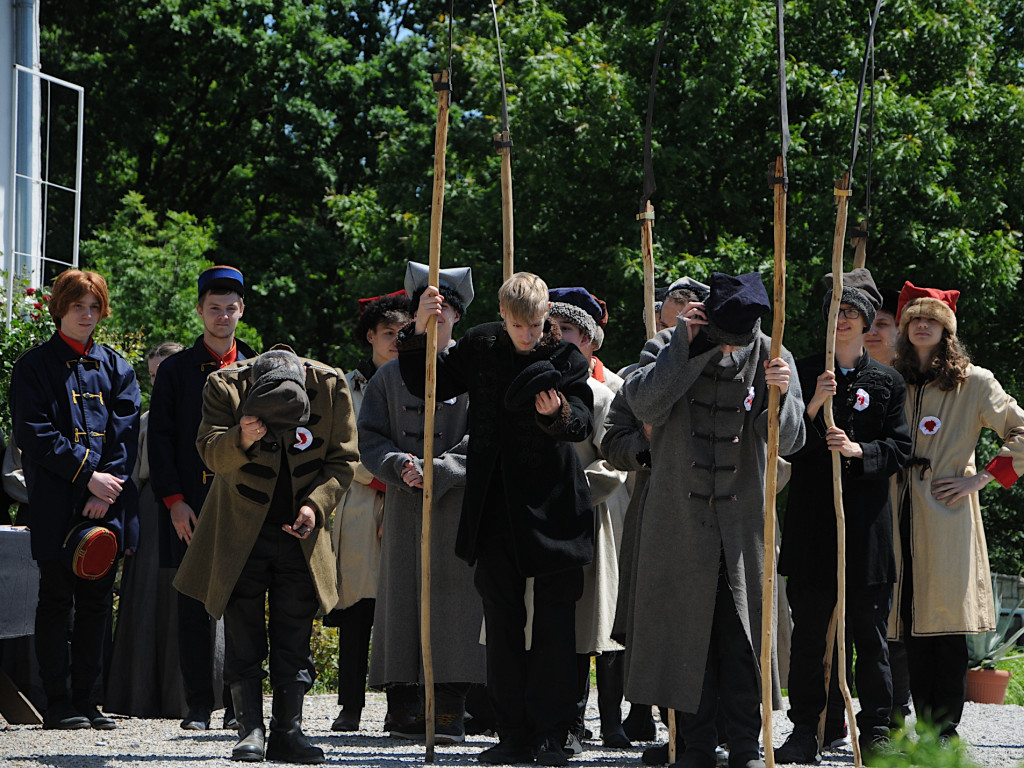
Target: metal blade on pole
646 216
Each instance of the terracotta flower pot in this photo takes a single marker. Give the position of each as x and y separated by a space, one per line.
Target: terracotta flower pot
987 686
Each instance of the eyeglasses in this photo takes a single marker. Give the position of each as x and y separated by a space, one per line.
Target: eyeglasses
849 313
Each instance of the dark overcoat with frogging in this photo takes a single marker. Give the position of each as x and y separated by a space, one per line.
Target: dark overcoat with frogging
869 407
75 415
545 489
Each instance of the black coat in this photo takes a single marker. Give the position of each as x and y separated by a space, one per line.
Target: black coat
175 412
75 415
809 531
545 491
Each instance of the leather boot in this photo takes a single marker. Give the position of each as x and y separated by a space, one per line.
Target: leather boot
287 742
247 696
609 700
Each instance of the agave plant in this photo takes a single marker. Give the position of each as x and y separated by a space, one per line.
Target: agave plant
985 650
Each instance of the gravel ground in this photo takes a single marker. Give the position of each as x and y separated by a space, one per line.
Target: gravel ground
996 734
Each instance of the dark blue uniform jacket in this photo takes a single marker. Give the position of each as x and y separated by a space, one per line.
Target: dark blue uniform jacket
75 415
175 412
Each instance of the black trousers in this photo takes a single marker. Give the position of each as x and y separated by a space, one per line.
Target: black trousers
900 680
195 652
276 570
730 684
936 664
61 593
938 678
355 624
867 619
533 692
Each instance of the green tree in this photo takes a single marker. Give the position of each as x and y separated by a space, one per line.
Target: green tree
152 262
301 135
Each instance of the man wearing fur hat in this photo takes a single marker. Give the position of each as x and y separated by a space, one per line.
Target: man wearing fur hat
873 440
391 444
280 434
703 389
578 314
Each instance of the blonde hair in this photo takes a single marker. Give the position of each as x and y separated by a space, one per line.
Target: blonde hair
524 296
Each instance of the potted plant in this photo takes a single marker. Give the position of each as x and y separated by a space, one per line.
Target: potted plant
985 683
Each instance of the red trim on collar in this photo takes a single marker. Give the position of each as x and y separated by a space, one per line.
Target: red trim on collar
79 348
228 358
597 369
1001 468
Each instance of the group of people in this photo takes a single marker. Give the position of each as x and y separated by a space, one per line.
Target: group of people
576 513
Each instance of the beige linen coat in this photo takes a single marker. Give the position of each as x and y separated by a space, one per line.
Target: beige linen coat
244 484
595 610
952 583
356 521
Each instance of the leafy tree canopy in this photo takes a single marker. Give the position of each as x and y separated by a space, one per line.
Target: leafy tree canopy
294 140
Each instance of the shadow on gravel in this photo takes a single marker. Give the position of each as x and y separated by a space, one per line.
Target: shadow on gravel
95 761
390 753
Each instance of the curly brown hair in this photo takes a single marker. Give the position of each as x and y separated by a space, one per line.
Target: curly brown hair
948 367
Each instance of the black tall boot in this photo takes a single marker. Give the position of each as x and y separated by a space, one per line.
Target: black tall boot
639 723
609 700
247 697
287 742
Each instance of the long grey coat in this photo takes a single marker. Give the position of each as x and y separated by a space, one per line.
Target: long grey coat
390 428
705 497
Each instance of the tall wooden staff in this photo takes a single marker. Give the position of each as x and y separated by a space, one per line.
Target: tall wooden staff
838 635
646 218
503 146
859 241
443 87
837 627
780 187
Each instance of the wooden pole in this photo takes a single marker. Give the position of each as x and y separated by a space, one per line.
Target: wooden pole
503 146
842 194
860 245
646 220
647 251
771 473
429 402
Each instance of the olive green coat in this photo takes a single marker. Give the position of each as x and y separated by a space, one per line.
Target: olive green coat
244 484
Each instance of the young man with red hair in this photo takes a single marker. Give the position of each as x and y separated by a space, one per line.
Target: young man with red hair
76 418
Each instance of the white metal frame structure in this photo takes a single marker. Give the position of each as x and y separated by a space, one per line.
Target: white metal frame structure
29 262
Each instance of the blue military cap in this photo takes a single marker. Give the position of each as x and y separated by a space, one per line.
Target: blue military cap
221 276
